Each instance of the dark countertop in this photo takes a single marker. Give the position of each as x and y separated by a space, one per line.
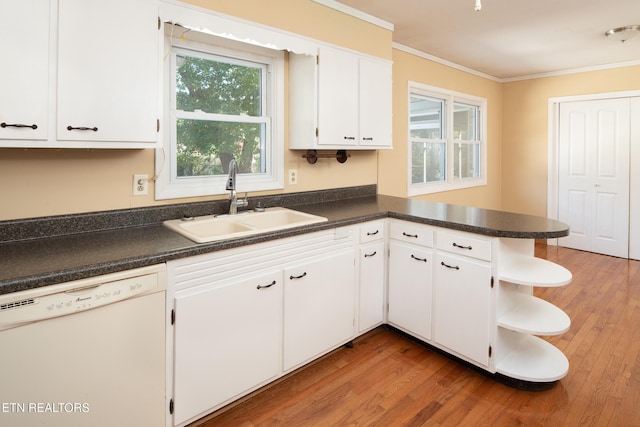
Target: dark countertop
35 262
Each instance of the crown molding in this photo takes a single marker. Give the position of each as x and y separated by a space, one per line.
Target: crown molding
333 4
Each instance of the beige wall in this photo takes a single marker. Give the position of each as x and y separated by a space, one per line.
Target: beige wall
41 182
525 130
392 165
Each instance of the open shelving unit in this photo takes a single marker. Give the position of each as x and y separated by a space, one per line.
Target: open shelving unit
523 318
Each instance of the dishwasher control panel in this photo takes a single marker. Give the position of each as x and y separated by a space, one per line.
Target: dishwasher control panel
17 308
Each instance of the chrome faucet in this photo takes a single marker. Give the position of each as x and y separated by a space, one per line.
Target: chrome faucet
231 186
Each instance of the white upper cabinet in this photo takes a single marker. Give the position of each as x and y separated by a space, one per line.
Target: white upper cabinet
86 74
108 71
375 104
24 75
339 100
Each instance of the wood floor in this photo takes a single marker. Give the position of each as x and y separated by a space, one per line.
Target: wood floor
387 379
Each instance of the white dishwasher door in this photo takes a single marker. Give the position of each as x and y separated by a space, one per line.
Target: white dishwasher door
99 366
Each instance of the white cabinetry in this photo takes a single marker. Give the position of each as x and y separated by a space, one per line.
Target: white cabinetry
372 275
448 297
240 314
411 277
318 306
463 301
108 71
88 80
24 75
375 112
339 100
226 347
249 315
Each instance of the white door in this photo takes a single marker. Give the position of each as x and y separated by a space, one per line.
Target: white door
24 77
319 301
337 98
227 341
410 288
107 71
593 185
375 103
462 306
372 283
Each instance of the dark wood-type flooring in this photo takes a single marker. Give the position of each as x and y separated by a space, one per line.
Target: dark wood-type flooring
387 379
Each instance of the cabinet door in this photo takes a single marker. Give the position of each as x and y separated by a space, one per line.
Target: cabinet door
108 70
319 298
410 288
375 104
24 75
372 281
337 98
227 341
463 306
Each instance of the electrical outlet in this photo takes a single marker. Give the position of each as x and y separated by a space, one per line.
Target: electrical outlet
293 176
140 185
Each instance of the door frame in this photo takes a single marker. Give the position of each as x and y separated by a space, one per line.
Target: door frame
553 143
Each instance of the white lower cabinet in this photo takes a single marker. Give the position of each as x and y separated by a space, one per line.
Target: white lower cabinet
372 279
243 317
372 285
226 340
462 307
410 288
318 307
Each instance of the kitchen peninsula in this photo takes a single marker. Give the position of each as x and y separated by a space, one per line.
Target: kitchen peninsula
43 251
458 278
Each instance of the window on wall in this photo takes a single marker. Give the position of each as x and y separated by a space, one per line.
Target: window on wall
447 140
223 101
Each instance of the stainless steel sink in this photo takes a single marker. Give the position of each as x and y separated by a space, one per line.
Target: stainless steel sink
212 228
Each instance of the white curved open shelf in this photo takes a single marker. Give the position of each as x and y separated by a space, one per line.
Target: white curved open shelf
532 359
533 315
532 271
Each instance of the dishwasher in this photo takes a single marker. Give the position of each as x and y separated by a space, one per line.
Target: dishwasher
85 353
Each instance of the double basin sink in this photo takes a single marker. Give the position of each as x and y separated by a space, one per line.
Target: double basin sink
221 227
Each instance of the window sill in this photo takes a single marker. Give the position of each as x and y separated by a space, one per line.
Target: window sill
440 187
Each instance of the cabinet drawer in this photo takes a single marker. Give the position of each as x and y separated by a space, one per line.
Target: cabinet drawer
411 233
370 231
463 244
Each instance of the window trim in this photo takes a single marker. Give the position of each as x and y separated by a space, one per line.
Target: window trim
168 185
450 183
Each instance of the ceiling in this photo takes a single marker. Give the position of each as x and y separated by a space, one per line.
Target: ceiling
510 39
